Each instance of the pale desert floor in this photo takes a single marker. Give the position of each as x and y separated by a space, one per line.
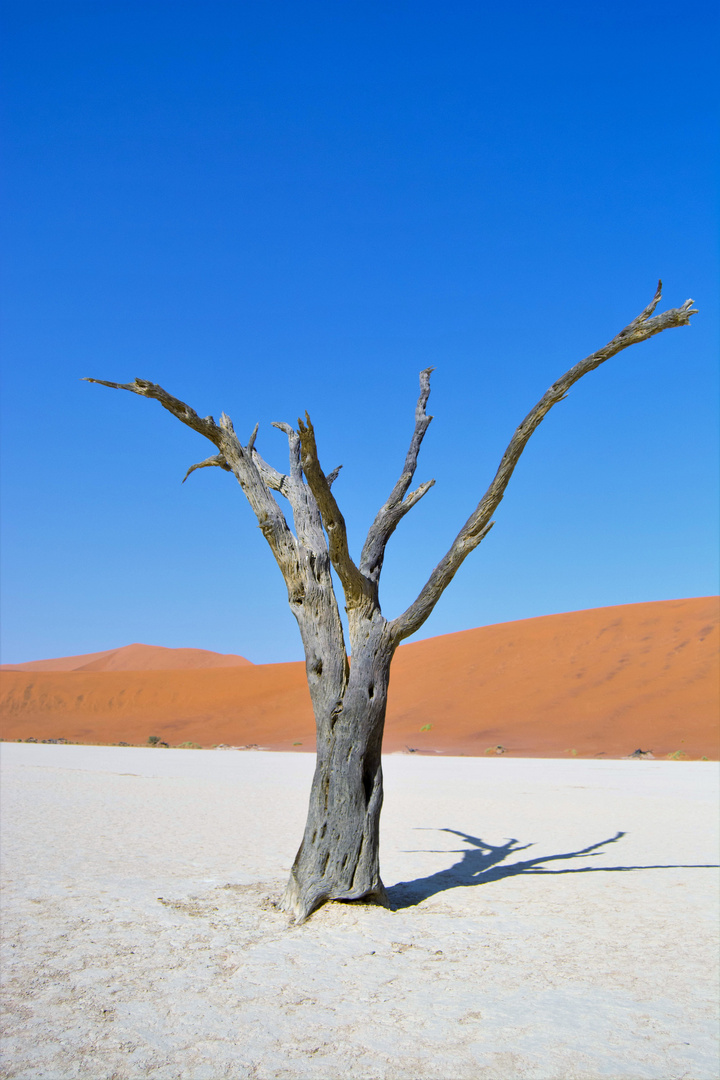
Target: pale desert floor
141 940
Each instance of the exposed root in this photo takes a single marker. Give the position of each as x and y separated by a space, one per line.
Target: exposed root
300 907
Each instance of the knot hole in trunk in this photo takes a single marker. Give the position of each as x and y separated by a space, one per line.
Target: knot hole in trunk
368 782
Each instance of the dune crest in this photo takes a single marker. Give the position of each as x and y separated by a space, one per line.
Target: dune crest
607 681
136 657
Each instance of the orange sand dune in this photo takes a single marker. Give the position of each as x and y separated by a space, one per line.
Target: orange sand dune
605 681
134 658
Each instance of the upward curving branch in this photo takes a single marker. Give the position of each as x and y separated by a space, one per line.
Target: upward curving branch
397 504
479 523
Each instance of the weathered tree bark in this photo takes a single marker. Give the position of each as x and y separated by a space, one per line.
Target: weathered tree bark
339 855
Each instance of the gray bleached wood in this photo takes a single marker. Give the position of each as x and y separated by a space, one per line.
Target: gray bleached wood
338 858
216 459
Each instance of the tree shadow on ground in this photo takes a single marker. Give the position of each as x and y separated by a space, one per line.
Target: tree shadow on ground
481 864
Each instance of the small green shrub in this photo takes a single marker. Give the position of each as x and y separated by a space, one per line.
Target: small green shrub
189 746
153 740
426 727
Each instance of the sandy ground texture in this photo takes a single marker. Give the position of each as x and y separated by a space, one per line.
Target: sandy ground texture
554 919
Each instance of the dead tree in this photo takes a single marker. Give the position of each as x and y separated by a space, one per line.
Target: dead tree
339 857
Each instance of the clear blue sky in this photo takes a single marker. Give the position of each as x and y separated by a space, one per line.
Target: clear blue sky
271 206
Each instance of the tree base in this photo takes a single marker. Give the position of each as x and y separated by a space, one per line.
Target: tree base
299 904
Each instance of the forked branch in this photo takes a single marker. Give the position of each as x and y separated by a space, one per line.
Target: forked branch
479 524
397 505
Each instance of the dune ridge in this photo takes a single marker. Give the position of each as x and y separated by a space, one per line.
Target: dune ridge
605 681
135 657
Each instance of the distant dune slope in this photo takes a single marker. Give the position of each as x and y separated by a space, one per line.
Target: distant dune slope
135 658
604 681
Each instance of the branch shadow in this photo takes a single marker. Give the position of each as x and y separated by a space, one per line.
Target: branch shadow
482 863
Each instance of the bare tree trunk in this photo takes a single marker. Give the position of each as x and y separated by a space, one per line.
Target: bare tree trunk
339 855
339 858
